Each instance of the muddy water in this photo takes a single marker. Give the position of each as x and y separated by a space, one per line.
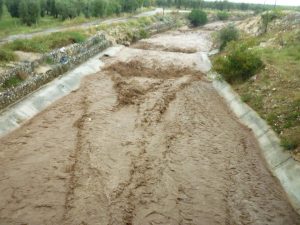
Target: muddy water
145 141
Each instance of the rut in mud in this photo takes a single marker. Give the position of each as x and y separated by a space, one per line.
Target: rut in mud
145 141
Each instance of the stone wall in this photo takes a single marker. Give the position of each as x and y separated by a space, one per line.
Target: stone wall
62 60
72 56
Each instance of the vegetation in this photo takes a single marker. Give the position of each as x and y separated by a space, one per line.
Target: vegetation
197 17
222 15
274 91
12 82
30 11
46 43
1 8
228 34
7 55
239 63
268 17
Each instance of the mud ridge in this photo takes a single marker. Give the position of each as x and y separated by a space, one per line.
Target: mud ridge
79 124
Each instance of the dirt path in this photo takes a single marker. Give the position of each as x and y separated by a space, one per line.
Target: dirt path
146 141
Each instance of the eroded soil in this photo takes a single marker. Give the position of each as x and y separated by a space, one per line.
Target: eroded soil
145 141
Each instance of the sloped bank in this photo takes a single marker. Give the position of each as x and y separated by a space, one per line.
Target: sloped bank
65 59
280 162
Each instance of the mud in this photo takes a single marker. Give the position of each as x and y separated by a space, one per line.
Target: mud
194 41
145 141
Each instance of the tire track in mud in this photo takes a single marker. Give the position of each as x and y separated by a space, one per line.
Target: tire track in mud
73 180
151 143
143 176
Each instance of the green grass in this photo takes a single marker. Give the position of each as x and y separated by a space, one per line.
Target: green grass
12 82
6 55
274 94
42 44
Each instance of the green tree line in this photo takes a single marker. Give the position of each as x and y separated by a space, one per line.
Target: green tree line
29 11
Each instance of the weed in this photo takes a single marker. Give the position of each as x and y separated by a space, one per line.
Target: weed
12 82
6 55
289 144
46 43
222 15
228 34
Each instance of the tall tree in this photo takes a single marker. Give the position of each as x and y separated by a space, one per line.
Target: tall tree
13 7
29 11
1 8
99 8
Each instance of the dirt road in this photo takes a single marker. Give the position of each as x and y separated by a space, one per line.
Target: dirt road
145 141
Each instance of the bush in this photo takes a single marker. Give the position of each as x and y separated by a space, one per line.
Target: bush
197 17
222 15
7 55
12 82
239 64
228 34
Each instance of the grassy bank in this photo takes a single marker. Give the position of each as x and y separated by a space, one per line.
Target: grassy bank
274 90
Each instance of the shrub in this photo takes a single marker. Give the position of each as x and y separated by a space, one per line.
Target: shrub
228 34
7 55
222 15
12 82
289 144
197 17
239 64
269 17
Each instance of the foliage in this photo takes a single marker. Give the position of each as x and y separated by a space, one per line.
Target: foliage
228 34
12 82
1 8
43 44
29 11
13 7
239 64
222 15
289 144
198 17
268 17
7 55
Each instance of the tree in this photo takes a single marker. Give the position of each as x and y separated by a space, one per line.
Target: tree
65 9
51 8
198 17
29 11
129 5
1 8
13 7
99 8
163 4
43 7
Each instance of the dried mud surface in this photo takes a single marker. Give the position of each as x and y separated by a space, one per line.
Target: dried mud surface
145 141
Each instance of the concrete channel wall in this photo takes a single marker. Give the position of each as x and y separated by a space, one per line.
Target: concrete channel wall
280 162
